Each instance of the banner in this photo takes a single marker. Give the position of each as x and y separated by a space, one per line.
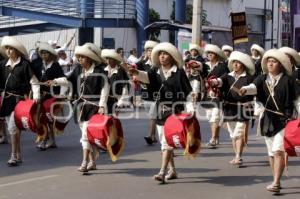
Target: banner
239 27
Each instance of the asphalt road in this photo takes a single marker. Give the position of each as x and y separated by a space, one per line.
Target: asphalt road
53 173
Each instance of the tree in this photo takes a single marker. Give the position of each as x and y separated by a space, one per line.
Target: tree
153 17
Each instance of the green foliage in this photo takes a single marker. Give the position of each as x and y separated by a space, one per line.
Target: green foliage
153 17
189 15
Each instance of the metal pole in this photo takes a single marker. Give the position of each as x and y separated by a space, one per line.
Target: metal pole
180 7
142 8
264 23
197 23
86 10
272 31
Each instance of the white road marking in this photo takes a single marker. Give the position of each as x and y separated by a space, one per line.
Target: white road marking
28 180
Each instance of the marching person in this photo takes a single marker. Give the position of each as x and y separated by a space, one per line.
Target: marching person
92 93
147 93
172 86
227 50
118 81
217 68
257 52
236 108
16 81
49 69
274 89
3 135
295 61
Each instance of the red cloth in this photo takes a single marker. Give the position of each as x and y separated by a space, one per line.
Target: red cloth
25 111
106 132
183 131
292 138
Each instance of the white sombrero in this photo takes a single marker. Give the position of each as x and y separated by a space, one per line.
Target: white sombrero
46 47
150 44
112 54
279 56
244 59
258 48
214 49
96 50
88 52
227 47
13 42
170 49
292 52
196 47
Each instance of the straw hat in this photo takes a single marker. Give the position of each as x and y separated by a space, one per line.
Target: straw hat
291 52
87 51
150 44
170 49
244 59
258 48
96 50
112 54
214 49
196 47
46 47
280 56
227 47
13 42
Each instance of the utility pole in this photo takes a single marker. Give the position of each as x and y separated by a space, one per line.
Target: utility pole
197 21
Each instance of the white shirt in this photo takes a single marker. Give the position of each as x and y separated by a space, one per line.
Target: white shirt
13 64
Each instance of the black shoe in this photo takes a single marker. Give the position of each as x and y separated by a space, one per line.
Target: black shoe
149 140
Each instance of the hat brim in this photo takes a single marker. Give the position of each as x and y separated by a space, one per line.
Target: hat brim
13 42
150 44
196 47
293 53
279 56
48 48
170 49
112 54
258 48
215 49
84 50
244 59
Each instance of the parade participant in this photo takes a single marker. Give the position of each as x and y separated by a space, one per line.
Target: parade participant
217 68
172 86
16 80
132 59
92 93
49 69
118 81
257 52
236 108
295 60
147 93
227 50
3 136
274 89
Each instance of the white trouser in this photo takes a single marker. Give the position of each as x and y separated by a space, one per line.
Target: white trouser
236 129
11 125
162 138
84 139
275 143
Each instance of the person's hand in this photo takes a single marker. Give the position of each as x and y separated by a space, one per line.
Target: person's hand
242 91
50 82
132 70
195 65
101 110
194 97
37 101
